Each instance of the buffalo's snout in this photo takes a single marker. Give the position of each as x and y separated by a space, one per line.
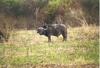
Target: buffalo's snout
37 31
40 30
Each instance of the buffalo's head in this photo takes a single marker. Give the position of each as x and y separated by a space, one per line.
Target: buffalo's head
41 30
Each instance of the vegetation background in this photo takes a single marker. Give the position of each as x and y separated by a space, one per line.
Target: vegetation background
19 20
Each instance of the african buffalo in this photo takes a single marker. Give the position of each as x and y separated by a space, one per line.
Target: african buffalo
53 30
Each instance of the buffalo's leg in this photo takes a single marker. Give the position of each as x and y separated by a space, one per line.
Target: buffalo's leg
64 34
64 37
49 38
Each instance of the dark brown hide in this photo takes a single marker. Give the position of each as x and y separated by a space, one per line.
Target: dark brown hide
53 30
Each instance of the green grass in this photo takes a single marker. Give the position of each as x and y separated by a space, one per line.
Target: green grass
29 47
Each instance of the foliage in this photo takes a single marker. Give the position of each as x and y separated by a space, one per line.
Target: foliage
49 8
91 8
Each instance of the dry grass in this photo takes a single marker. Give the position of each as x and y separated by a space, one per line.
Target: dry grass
26 46
84 32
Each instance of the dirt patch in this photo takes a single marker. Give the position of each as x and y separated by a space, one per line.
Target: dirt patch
50 66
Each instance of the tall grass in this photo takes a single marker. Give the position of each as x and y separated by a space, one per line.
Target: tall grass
26 46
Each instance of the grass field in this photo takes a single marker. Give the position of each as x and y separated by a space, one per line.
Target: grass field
26 46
